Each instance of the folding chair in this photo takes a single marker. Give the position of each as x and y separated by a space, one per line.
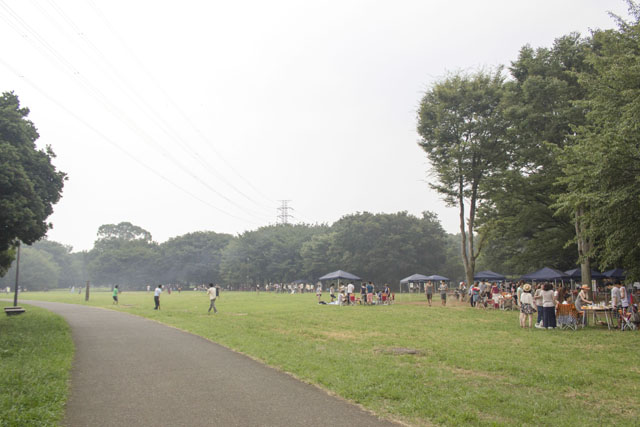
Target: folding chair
627 324
566 315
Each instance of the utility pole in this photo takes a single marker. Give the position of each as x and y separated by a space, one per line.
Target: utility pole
283 212
15 292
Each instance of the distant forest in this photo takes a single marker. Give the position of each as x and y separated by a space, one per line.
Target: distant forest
383 248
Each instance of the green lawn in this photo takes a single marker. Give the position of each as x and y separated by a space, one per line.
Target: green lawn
470 367
35 359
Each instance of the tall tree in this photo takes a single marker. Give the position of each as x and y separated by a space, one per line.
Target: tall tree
29 183
124 254
463 132
602 170
524 231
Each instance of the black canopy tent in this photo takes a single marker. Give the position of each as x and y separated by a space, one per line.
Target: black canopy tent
414 278
546 274
616 273
489 275
437 278
339 274
576 274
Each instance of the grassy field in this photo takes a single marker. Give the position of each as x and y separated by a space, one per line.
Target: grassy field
35 359
421 365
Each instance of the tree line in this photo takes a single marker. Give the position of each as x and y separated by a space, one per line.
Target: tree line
383 248
542 160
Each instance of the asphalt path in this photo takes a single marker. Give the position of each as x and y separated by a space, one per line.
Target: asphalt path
131 371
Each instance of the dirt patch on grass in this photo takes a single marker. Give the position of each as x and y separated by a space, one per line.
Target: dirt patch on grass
398 351
574 394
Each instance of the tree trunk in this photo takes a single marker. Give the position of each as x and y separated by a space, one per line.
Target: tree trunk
584 247
466 245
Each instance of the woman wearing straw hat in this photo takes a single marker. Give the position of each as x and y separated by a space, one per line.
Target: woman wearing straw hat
526 305
581 299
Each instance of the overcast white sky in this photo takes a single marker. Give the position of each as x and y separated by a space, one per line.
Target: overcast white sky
193 115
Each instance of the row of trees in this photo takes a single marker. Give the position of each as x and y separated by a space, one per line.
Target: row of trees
543 162
379 247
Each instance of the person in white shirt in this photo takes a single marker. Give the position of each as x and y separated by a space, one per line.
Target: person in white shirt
156 297
624 298
350 289
213 294
615 296
616 301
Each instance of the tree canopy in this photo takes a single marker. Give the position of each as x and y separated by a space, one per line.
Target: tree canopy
29 183
602 169
463 132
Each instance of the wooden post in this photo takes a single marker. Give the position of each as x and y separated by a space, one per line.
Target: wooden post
86 295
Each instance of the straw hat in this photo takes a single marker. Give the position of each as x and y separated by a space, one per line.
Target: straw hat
585 287
527 288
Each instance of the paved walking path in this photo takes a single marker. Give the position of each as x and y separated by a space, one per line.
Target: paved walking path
131 371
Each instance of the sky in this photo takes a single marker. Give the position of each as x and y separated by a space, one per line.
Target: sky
203 116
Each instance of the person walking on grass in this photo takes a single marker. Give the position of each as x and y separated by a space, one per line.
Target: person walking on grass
213 294
156 297
428 291
443 292
115 295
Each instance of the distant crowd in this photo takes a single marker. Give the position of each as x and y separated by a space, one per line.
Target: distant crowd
346 294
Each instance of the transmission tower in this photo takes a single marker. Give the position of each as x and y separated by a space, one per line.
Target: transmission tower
283 212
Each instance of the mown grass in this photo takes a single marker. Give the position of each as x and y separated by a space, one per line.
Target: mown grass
35 360
471 366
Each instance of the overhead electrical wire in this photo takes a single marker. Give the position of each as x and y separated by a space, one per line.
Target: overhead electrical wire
116 145
184 116
42 45
149 110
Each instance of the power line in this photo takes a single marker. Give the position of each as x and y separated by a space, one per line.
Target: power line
184 116
42 45
153 115
109 141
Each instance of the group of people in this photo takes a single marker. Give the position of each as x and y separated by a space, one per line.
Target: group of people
442 288
346 294
213 292
543 301
546 297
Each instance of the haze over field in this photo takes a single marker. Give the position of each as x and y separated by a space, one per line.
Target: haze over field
187 116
